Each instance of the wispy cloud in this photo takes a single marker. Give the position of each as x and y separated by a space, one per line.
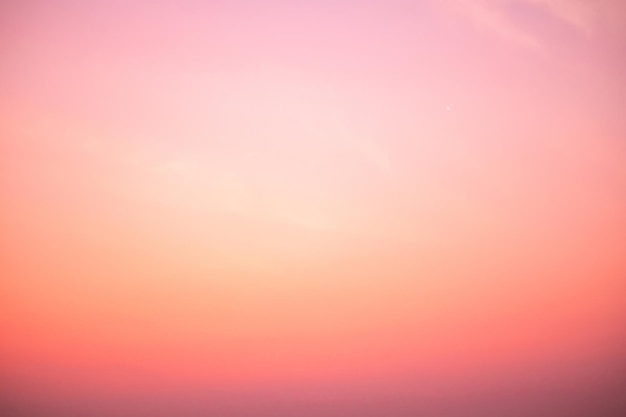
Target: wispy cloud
492 16
589 17
375 155
361 142
581 14
227 191
496 16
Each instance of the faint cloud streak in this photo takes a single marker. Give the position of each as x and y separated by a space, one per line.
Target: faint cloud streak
495 16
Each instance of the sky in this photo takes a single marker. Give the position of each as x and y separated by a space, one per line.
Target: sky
306 208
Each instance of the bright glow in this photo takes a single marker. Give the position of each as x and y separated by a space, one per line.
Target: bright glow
268 200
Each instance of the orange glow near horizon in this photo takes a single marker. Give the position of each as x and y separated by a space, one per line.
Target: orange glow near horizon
242 195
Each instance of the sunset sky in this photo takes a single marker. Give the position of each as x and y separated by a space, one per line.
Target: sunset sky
312 208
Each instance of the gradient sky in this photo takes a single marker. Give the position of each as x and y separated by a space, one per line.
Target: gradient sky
339 208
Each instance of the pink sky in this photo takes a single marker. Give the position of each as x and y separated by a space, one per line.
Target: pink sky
382 199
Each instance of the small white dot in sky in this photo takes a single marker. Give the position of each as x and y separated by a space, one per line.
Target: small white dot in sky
448 108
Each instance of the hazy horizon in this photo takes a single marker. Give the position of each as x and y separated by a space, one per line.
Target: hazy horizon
313 208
